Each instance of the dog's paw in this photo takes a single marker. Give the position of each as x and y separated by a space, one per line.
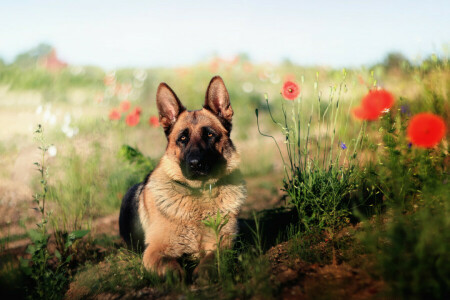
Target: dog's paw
206 269
165 266
172 267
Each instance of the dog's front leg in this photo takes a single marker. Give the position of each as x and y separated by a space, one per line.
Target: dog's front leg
207 264
157 261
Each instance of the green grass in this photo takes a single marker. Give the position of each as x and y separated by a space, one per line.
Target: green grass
119 273
93 186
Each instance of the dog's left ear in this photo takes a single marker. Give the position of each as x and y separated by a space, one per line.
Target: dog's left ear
217 100
169 107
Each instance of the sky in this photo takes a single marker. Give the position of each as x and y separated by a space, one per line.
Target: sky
131 33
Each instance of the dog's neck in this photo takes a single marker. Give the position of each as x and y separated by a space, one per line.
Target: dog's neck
166 168
210 187
205 188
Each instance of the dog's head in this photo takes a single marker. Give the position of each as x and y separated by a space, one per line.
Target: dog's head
199 145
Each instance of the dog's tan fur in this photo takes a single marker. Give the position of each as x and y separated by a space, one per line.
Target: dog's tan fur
172 207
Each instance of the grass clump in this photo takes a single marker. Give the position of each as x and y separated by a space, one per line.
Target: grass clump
319 171
120 273
99 183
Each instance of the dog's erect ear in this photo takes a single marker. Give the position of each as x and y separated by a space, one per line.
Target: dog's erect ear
169 107
217 99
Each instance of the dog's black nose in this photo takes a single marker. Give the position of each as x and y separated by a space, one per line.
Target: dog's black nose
195 164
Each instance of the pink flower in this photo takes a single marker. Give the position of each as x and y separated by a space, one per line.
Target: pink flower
132 119
290 90
125 105
114 114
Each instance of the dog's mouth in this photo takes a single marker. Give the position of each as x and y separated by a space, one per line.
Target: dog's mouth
196 174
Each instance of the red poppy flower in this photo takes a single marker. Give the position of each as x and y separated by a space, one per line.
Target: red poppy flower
373 105
132 119
290 90
153 121
125 105
114 114
426 130
137 110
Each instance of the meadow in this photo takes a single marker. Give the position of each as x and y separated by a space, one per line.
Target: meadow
341 203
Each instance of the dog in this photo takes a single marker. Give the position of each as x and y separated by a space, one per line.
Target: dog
196 178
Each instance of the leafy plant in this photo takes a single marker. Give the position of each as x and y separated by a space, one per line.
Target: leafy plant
48 282
412 250
134 156
319 175
216 224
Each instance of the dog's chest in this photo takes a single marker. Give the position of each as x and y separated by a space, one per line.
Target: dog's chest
180 205
193 238
178 216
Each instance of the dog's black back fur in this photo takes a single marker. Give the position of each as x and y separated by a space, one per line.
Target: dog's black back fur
129 223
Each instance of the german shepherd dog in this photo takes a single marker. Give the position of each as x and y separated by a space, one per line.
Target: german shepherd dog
196 178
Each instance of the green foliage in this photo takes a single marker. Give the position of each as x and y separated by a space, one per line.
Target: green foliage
412 250
216 224
257 234
47 282
81 179
403 171
134 156
242 272
321 197
317 180
409 239
98 181
121 272
248 275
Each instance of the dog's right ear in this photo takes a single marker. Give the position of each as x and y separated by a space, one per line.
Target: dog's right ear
169 107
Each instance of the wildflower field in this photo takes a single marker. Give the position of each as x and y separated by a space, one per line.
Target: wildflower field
347 173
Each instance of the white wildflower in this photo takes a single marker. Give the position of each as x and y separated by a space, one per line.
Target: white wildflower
52 151
39 110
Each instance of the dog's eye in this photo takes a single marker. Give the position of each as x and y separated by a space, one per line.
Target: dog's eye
182 139
208 134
